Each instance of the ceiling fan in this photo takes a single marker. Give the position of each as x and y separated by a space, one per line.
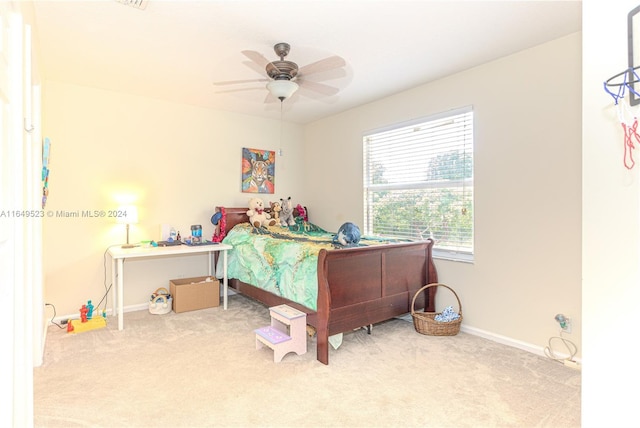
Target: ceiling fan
285 77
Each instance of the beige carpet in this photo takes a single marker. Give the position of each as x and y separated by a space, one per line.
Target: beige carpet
201 369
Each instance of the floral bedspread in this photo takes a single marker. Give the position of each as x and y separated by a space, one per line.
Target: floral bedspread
282 260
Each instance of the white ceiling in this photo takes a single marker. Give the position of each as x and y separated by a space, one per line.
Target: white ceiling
176 50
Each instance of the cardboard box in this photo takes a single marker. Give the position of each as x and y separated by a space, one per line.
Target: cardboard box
191 294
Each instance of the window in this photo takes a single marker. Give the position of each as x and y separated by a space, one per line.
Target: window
418 182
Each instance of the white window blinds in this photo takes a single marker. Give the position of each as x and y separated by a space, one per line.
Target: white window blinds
418 182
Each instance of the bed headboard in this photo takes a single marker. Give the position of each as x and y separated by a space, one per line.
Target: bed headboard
237 215
234 216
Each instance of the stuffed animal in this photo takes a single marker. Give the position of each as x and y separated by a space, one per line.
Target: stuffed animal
348 235
257 215
275 210
286 215
302 213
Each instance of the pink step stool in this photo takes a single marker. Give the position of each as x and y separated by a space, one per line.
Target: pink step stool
287 332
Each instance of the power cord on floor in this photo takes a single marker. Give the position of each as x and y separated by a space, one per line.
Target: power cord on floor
571 348
107 288
54 316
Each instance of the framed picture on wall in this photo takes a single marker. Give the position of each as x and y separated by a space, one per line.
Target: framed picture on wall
258 171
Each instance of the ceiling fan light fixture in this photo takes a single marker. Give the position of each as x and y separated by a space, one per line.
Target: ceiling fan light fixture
282 89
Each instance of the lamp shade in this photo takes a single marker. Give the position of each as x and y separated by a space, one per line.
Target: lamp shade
127 214
282 89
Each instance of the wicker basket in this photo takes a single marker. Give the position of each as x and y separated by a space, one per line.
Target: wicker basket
425 323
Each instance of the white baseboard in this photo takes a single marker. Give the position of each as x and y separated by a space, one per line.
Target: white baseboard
76 316
538 350
130 308
503 340
534 349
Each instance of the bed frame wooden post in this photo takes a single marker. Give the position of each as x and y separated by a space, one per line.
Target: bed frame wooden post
323 309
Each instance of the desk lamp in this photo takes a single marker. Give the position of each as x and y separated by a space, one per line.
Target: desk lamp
127 215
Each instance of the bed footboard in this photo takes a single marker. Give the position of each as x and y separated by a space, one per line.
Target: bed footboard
366 285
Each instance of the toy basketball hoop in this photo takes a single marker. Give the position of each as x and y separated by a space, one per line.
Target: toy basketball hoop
620 86
627 85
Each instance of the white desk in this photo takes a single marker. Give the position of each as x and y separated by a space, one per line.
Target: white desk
119 254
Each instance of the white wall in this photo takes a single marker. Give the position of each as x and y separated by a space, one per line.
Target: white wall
610 227
527 186
176 162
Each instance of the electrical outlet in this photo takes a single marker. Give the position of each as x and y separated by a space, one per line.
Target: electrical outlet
567 325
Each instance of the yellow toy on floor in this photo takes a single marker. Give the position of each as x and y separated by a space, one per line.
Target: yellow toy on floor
87 321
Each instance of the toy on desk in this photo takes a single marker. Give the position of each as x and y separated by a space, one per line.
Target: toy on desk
196 233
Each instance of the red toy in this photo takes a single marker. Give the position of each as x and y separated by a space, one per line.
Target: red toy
83 313
302 212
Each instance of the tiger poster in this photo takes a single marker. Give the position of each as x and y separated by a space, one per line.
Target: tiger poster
258 171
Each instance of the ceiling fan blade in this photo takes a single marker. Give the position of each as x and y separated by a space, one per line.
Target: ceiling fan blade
272 69
322 65
319 87
268 99
227 91
255 67
236 82
263 63
322 76
257 58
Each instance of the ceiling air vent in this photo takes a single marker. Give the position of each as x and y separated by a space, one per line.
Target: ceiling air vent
138 4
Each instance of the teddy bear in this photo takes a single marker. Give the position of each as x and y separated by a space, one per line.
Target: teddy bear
286 215
275 210
257 215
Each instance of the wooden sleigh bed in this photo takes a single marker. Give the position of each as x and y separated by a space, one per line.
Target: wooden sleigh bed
357 286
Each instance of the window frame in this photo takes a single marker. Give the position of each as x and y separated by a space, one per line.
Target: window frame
467 183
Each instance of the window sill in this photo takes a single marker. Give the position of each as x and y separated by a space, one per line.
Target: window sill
453 256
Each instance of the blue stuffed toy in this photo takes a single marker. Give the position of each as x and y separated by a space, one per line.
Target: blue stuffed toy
348 235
